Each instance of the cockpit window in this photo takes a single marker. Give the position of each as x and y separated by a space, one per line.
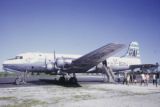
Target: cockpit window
17 57
21 57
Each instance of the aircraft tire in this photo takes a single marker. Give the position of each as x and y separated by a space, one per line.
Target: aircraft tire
62 80
17 81
73 80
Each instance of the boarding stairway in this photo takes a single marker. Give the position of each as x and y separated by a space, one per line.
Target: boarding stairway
109 73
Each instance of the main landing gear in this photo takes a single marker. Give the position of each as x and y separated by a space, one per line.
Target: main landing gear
72 80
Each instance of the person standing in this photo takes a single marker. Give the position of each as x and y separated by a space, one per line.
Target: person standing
147 79
128 79
154 78
131 78
142 78
134 78
125 78
157 79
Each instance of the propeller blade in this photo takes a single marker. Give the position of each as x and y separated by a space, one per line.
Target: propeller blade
54 60
54 55
45 63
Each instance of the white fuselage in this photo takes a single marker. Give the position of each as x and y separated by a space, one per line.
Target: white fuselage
122 63
46 62
36 61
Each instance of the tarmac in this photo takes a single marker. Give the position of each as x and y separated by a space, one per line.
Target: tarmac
37 80
90 92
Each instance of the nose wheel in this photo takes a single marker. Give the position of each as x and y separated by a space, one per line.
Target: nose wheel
19 81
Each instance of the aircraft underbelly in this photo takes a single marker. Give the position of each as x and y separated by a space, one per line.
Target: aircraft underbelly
119 68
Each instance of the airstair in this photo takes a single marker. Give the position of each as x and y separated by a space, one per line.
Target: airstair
108 72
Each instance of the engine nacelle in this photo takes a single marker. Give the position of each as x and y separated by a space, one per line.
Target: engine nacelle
50 66
63 62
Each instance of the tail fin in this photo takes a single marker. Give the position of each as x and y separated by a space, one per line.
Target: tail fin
133 50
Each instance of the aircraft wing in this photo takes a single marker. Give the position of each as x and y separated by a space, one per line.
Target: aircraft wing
93 58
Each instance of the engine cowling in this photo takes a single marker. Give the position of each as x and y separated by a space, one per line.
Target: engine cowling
63 62
50 66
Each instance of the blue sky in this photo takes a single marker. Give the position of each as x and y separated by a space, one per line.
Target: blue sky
78 26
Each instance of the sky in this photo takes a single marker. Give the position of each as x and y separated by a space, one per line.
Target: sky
78 26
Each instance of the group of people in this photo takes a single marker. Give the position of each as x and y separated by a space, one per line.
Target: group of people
129 78
144 79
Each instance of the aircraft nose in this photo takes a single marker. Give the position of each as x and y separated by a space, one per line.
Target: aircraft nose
8 65
11 65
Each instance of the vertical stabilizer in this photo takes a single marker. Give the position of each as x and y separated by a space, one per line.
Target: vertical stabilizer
133 50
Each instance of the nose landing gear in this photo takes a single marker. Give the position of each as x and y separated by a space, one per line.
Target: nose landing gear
21 78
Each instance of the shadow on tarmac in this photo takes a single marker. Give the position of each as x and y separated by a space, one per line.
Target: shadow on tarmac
36 81
9 82
54 82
